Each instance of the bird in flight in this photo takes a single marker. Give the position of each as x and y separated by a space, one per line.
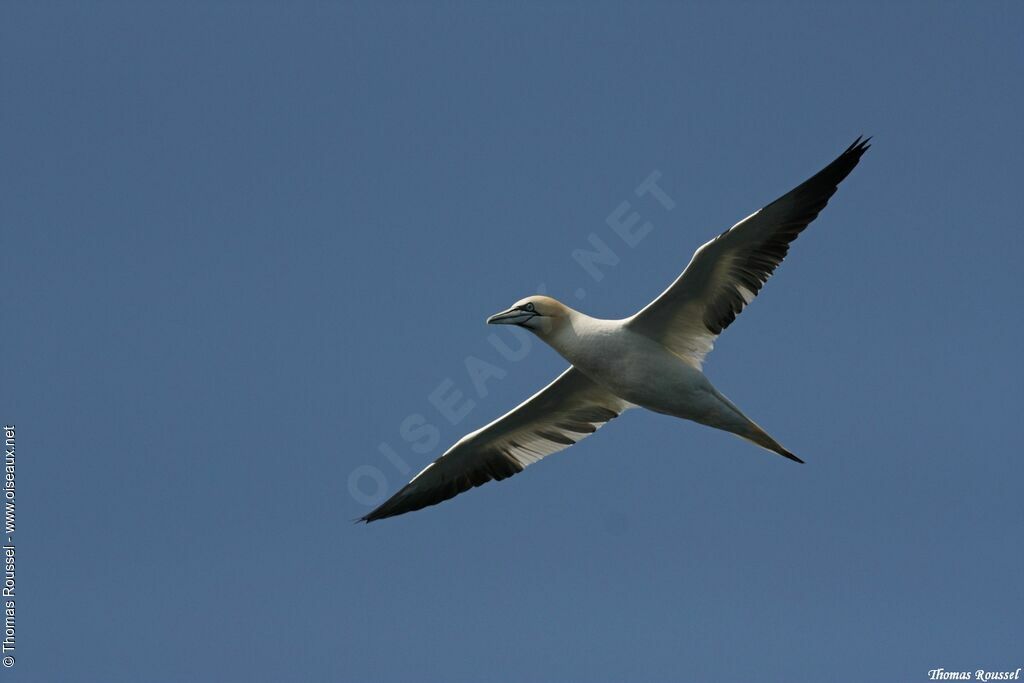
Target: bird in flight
651 360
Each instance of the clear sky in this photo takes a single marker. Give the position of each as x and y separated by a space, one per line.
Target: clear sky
242 246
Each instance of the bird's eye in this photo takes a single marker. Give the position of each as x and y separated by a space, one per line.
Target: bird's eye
529 307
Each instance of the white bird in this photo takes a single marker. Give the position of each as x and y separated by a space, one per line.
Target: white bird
652 359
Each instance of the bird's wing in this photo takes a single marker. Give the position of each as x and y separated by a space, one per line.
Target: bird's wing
567 410
726 273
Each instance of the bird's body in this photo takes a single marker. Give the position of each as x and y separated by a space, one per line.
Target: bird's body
651 360
643 372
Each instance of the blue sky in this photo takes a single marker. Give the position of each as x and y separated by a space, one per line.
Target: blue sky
241 245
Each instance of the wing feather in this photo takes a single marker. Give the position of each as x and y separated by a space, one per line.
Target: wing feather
726 273
569 409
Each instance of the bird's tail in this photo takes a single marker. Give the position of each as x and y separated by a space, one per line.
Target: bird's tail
762 439
733 420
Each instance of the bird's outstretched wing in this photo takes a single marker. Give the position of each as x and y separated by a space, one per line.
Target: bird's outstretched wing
726 273
567 410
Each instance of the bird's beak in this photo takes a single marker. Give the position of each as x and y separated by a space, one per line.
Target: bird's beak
512 316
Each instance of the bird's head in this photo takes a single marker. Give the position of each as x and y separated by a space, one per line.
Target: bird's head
539 314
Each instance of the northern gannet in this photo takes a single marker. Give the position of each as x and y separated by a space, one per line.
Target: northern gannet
651 360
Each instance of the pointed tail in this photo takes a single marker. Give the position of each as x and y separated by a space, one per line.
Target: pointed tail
761 438
733 420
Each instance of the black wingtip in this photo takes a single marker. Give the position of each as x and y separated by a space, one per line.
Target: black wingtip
859 146
372 516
